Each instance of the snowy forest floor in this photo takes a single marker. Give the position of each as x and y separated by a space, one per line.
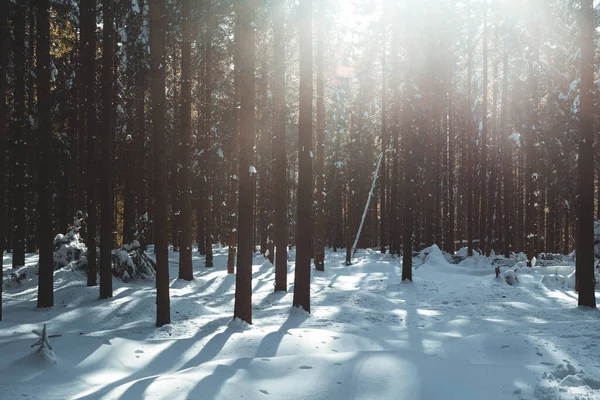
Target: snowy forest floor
456 332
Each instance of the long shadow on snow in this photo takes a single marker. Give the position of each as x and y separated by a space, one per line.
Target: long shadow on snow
164 362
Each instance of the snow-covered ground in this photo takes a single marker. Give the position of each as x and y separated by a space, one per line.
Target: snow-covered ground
456 332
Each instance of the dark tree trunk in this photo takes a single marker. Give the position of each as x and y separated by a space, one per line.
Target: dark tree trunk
470 188
4 34
305 126
19 145
585 233
208 122
531 180
157 72
235 147
243 286
319 213
483 211
106 188
185 178
383 182
88 53
451 165
140 137
45 237
506 155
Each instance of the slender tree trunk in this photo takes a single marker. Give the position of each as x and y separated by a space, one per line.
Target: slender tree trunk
157 72
451 176
19 148
106 195
319 213
483 211
185 179
247 177
305 126
383 183
585 239
531 177
235 148
470 172
506 154
4 35
46 267
88 38
279 161
208 124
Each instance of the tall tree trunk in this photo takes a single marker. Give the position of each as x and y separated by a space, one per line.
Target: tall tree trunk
319 213
208 125
140 138
157 73
383 182
46 267
470 173
531 177
585 233
483 211
88 54
263 155
508 218
106 192
247 176
185 178
305 126
451 135
4 34
235 147
19 149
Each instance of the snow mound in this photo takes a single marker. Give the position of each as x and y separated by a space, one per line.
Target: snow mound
509 276
433 256
565 382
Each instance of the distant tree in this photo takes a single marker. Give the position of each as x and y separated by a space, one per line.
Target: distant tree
45 237
280 187
157 72
247 171
585 233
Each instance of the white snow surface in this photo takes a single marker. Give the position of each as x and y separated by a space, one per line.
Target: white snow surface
456 332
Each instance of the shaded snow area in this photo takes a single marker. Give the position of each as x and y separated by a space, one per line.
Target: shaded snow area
456 332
